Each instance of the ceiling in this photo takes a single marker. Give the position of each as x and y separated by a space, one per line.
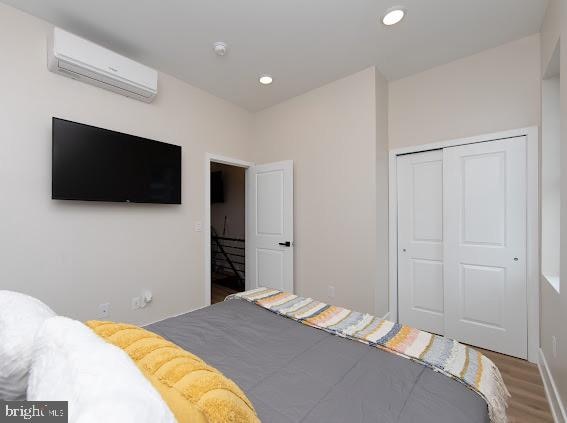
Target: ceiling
303 43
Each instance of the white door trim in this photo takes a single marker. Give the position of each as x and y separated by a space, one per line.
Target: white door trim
532 251
215 158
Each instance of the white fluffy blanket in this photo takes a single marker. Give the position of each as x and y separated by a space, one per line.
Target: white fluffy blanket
101 383
20 318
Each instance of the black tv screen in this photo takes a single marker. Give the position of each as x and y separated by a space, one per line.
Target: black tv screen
95 164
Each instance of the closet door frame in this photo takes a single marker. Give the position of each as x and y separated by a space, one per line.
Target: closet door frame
532 229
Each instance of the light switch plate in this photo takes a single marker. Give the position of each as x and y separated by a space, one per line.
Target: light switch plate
198 226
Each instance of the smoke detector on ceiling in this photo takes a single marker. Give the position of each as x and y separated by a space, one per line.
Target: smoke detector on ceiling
220 48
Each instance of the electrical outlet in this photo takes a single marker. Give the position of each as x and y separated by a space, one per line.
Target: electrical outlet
198 226
331 291
554 345
103 310
136 303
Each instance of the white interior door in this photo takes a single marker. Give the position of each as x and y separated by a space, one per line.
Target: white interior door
485 245
270 226
420 241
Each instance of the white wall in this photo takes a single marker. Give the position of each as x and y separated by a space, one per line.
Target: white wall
330 133
233 207
75 255
491 91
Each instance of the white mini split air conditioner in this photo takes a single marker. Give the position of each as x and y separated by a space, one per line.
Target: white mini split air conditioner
80 59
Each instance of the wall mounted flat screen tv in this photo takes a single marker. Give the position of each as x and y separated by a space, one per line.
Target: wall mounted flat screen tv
95 164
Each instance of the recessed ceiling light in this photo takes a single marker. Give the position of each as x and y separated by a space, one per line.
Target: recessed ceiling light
393 16
265 79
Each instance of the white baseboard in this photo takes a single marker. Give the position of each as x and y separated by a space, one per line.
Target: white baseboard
557 407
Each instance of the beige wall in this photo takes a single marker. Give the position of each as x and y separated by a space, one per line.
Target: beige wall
550 32
554 304
560 365
233 206
550 176
76 255
382 287
330 134
494 90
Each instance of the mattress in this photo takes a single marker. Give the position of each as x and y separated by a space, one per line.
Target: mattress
294 373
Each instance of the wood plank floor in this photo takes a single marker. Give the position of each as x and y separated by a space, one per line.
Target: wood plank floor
219 293
528 403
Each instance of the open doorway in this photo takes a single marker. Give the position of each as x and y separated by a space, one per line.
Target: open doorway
228 230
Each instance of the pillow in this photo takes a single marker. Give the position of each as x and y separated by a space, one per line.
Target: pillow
100 382
194 391
20 318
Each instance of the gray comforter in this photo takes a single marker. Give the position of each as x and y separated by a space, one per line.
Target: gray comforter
293 373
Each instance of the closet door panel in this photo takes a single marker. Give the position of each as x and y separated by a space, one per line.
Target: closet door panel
485 245
420 241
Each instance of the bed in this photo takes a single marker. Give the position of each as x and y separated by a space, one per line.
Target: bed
295 373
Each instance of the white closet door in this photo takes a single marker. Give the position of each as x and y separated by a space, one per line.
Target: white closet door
420 241
485 245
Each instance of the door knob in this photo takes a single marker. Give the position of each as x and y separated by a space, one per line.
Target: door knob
285 244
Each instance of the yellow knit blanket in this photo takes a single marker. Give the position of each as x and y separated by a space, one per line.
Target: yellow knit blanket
194 391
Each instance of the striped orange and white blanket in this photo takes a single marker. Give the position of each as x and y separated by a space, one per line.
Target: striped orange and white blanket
441 354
